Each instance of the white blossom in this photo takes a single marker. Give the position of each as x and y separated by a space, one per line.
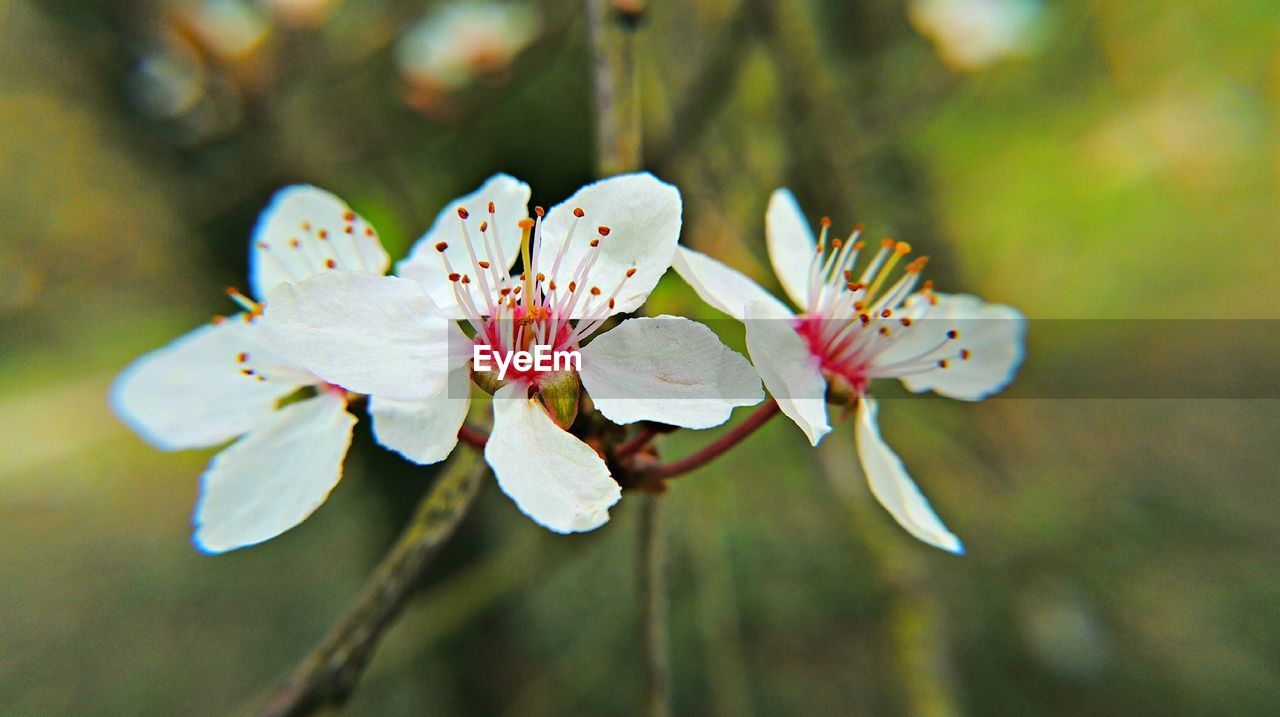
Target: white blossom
588 259
221 382
854 328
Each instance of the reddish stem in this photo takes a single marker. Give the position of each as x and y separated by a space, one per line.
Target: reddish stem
640 441
472 437
714 449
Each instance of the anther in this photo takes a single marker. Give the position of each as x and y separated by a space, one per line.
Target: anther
826 222
441 246
323 233
349 216
902 247
540 277
964 354
864 318
604 231
491 207
463 213
887 243
942 363
483 226
525 223
595 291
295 243
577 212
886 314
594 243
306 226
573 286
631 272
330 264
953 334
242 357
466 279
455 276
540 212
483 264
905 321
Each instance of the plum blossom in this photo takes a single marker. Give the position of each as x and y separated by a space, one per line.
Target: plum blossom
460 43
221 382
973 34
853 329
595 256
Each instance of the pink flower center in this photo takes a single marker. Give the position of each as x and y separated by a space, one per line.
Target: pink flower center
515 313
849 324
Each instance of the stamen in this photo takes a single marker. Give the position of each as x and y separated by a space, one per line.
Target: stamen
249 305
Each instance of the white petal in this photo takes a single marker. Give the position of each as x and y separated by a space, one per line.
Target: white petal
276 476
192 393
894 488
378 335
424 431
791 244
552 476
790 372
510 199
643 216
728 290
304 228
667 369
993 335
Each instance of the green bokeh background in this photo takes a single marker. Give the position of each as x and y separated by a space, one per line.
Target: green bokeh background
1122 553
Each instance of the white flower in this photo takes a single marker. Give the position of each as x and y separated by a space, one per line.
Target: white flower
220 382
972 34
598 254
854 329
462 41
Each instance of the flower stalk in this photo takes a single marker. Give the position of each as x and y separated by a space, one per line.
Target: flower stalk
330 673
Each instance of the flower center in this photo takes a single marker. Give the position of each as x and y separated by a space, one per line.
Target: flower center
849 323
549 304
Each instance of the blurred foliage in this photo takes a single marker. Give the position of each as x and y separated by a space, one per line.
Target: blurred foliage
1121 553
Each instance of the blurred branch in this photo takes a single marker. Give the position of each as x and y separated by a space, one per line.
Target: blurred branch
913 629
824 131
615 84
329 674
710 88
653 606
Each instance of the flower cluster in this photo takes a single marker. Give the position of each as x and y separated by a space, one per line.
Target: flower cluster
326 328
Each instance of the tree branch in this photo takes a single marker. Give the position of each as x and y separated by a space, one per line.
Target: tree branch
615 87
652 478
329 674
653 606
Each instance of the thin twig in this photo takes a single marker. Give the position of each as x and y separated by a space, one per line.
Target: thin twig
329 674
473 437
641 439
615 90
653 606
712 450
